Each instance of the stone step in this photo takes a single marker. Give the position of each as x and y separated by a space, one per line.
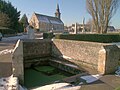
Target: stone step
74 78
66 66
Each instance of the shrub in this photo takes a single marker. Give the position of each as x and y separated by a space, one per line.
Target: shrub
48 35
103 38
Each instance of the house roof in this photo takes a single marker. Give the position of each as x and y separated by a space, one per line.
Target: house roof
48 19
111 28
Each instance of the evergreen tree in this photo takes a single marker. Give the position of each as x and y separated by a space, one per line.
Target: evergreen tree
24 21
4 20
20 28
12 13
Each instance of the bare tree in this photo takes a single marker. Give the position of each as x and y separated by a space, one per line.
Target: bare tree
102 11
91 25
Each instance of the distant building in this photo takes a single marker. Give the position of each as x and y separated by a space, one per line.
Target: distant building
47 23
111 29
79 28
88 28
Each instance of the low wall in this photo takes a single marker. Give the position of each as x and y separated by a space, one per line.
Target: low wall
102 58
88 55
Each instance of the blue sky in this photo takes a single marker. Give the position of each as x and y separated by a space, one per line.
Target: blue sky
71 10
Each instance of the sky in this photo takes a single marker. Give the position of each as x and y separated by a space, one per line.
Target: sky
72 11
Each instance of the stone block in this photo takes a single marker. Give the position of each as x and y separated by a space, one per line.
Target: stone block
108 59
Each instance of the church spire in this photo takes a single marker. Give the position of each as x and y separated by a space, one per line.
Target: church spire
57 13
58 8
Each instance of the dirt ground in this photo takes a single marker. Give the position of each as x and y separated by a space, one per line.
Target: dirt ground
5 69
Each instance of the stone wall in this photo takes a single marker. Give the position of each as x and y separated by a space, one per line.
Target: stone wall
36 48
26 50
81 53
87 54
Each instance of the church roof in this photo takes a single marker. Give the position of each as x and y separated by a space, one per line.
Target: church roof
48 19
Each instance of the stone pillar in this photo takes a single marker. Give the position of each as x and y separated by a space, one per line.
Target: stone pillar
108 59
75 31
31 34
83 25
17 62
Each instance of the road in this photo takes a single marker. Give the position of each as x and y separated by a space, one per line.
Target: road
9 42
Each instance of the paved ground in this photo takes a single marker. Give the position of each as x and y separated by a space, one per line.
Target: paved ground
107 82
5 60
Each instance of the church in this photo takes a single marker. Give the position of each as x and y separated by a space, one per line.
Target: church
47 23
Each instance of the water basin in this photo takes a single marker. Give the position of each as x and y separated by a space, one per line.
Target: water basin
43 75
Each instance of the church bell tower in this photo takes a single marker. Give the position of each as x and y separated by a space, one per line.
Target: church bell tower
57 13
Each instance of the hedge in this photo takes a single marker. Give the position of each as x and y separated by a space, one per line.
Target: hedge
7 31
103 38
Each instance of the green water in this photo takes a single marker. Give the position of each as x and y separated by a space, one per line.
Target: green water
43 75
118 88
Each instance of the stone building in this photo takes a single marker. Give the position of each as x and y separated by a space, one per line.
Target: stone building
47 23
